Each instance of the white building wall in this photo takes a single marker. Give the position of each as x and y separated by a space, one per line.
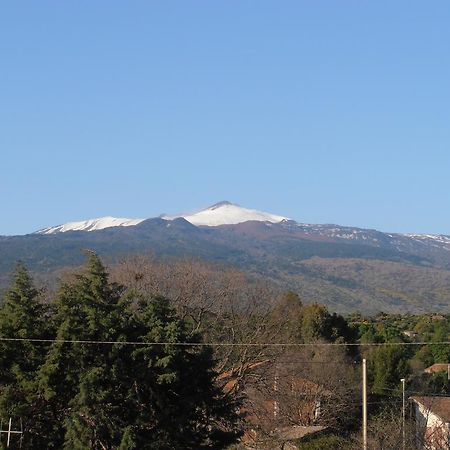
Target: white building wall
432 433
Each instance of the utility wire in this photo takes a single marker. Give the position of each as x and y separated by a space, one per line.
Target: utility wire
422 394
223 344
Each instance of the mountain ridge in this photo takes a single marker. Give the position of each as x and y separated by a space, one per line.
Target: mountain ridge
221 213
236 214
344 267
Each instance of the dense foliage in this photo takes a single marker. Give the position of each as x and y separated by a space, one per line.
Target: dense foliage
79 393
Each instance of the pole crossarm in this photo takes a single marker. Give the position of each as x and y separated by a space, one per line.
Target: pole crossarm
10 432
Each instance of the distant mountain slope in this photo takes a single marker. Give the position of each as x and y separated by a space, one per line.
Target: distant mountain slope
91 225
347 268
371 285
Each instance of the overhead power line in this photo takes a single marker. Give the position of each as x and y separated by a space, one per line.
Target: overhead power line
221 344
419 393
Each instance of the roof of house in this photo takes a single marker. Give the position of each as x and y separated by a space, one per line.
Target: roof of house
230 378
437 368
437 405
248 366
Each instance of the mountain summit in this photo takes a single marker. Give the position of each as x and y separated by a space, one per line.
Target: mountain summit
222 213
226 213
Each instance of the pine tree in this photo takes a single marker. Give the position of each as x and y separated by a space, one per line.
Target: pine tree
22 316
389 365
174 402
87 310
117 396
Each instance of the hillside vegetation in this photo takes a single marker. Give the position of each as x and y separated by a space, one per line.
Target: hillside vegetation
371 272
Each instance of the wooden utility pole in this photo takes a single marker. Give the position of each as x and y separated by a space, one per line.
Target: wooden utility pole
364 403
403 413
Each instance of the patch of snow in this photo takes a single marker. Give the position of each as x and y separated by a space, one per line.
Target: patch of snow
226 213
91 225
431 237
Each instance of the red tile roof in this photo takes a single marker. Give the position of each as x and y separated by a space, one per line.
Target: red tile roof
437 368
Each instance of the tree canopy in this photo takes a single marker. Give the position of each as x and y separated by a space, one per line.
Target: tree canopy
114 377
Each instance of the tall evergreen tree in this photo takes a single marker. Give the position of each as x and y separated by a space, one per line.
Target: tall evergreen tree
22 317
121 396
388 365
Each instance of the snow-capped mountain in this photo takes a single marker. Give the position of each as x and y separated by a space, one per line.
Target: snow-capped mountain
91 225
223 213
226 213
229 214
349 267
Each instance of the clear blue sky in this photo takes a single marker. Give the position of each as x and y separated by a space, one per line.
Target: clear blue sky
324 111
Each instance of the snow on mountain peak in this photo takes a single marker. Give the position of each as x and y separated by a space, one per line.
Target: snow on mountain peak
222 213
226 213
91 225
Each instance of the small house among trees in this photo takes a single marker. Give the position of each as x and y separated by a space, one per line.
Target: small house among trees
278 402
435 368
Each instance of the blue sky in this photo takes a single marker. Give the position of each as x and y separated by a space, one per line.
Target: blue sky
326 112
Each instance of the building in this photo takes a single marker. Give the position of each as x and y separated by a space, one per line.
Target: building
432 422
438 368
277 404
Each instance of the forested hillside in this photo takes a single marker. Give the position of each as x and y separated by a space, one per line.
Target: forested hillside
346 269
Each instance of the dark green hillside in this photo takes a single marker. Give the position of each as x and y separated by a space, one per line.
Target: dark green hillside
46 252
